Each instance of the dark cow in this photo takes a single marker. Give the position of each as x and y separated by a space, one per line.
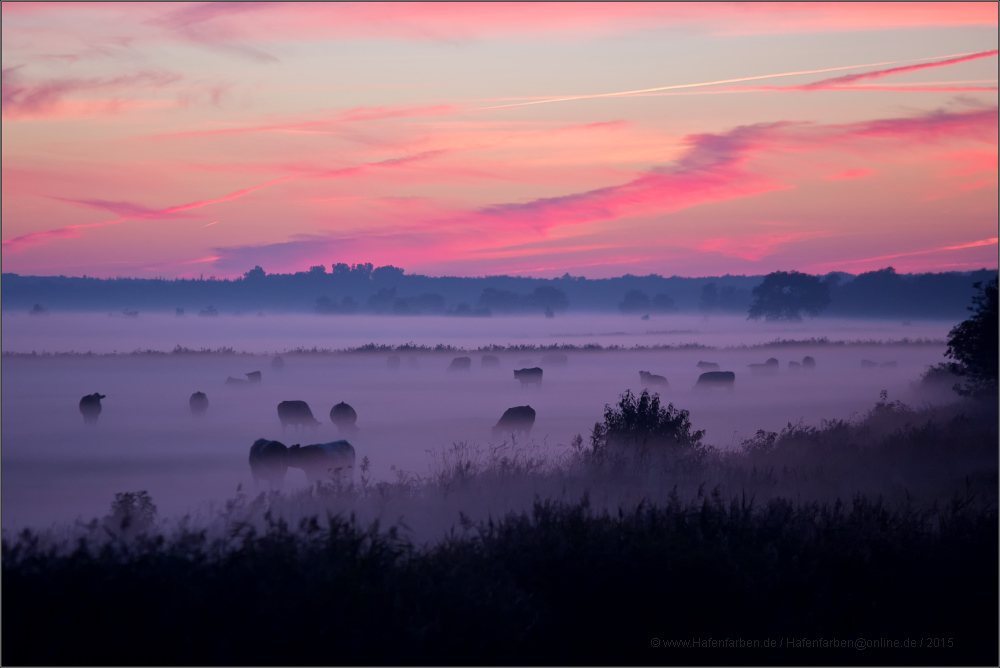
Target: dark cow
344 417
868 364
277 363
237 382
268 461
808 363
296 413
708 366
490 361
647 378
793 365
555 359
770 367
254 377
393 362
461 364
90 407
198 403
324 461
519 419
529 376
710 379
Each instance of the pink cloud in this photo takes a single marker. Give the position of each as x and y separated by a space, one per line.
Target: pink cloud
850 174
879 74
44 98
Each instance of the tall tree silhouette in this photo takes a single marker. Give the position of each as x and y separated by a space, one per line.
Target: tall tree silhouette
784 295
973 343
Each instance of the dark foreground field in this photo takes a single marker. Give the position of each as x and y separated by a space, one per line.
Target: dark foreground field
763 575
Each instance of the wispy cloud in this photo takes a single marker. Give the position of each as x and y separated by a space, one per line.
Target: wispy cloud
42 98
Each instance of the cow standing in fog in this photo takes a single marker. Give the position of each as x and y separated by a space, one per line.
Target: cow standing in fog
710 379
236 382
490 361
647 378
808 363
198 403
268 461
708 366
324 461
461 364
277 363
519 419
90 407
529 376
344 417
768 368
297 414
253 377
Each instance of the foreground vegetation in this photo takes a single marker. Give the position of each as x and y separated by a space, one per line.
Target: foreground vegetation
881 530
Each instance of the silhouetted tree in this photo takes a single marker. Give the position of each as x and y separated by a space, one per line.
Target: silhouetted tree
387 274
709 300
318 270
254 274
546 297
783 295
642 423
973 343
635 301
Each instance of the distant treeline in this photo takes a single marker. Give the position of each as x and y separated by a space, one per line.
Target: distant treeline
363 288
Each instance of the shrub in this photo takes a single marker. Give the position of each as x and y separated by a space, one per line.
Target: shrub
640 426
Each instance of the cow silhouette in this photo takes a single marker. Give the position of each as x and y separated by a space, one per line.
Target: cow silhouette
519 419
90 407
808 363
712 379
268 461
236 382
297 414
324 461
708 366
277 363
460 364
344 417
793 365
531 376
647 378
198 403
490 361
253 377
768 368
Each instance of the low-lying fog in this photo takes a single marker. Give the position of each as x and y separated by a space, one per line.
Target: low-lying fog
55 468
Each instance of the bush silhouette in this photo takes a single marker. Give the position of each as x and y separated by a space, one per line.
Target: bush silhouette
973 343
641 426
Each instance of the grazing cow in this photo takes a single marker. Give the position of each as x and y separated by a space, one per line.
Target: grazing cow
808 363
277 363
393 362
793 365
461 364
198 403
868 364
344 417
710 379
490 361
529 376
770 367
324 461
296 413
647 378
519 419
90 407
555 359
237 382
254 377
708 366
268 461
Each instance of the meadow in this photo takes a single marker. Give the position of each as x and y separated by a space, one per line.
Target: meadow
844 504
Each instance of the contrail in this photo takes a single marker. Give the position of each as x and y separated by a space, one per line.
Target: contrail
721 81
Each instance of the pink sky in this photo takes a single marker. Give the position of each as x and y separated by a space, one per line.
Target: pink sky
524 138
